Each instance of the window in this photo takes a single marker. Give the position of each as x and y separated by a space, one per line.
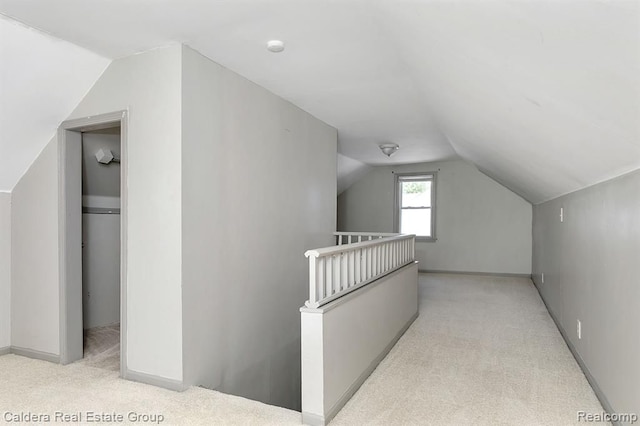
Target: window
415 205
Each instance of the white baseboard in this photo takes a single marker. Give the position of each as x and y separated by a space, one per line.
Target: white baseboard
587 373
150 379
135 376
313 419
32 353
486 274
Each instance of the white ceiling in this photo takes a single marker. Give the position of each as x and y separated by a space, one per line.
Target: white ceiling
41 80
543 96
349 172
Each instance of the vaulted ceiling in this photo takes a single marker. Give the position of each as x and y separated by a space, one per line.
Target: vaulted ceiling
41 80
542 96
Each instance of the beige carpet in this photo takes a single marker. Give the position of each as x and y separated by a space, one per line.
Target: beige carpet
102 347
484 351
32 386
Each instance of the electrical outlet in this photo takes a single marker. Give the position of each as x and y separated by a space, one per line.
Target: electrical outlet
579 330
543 278
561 214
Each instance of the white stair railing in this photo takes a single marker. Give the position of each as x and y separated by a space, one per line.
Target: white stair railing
358 237
336 271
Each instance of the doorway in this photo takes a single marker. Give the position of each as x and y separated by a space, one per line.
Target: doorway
101 154
93 240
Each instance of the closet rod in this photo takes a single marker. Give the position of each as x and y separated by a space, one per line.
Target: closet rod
100 210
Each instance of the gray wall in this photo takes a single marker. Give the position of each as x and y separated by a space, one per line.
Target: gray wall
481 226
5 270
590 265
259 189
100 270
100 232
148 85
35 321
102 180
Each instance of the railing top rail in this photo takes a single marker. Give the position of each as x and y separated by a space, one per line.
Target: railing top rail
366 234
327 251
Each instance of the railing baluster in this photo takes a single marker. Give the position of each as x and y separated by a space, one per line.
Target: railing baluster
313 269
329 277
356 261
395 254
352 260
385 249
343 271
321 274
393 257
389 255
337 284
337 271
392 261
365 263
413 247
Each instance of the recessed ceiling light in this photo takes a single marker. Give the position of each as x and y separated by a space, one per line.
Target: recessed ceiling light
275 46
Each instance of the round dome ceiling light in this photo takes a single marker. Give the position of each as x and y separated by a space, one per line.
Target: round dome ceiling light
389 149
275 46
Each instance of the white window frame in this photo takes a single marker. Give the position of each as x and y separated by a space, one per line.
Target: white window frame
419 177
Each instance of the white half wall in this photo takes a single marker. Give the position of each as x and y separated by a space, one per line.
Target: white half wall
481 226
35 293
5 270
259 189
344 341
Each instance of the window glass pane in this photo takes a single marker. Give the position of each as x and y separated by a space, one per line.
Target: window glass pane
416 194
416 221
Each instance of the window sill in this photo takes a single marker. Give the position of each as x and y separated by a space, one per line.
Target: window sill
426 239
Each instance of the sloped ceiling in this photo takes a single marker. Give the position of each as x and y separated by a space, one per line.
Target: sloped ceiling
542 96
41 81
349 172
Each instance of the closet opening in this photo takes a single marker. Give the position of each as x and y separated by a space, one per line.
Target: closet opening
92 155
101 155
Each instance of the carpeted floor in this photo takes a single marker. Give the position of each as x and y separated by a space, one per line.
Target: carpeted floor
39 387
483 351
102 347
